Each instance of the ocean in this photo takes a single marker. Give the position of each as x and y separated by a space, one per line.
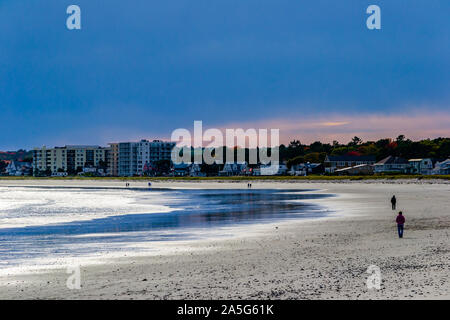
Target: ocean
47 225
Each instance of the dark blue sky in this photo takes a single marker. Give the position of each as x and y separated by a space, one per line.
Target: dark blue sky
142 68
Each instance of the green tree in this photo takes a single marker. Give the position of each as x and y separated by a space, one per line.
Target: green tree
355 141
3 166
295 161
315 157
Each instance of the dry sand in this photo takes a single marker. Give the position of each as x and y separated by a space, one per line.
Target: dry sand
319 259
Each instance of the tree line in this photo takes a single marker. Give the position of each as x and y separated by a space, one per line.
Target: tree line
296 152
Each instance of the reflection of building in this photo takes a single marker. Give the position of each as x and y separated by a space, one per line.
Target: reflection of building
69 158
333 163
392 165
421 166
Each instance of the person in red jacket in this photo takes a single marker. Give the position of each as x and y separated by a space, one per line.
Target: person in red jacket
400 222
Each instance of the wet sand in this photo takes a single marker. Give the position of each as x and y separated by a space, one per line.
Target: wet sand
312 259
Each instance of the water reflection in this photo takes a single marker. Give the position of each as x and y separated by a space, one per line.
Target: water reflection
193 209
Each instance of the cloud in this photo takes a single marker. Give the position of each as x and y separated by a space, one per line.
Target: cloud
339 127
334 124
343 128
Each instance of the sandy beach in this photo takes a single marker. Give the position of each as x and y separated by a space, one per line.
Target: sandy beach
325 258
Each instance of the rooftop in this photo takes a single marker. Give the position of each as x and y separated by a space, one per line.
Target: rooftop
392 160
351 158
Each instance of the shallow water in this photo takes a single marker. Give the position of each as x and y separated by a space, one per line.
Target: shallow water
40 223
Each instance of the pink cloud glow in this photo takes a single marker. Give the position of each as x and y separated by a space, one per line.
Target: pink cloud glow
343 128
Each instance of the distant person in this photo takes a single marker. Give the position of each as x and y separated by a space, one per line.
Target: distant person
394 202
400 222
149 184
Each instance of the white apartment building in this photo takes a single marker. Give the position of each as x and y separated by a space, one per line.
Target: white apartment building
134 156
69 159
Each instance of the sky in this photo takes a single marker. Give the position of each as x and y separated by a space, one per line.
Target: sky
143 68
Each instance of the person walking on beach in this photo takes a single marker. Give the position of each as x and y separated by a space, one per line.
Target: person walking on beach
400 222
393 202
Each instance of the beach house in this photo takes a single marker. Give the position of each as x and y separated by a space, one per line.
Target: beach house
392 164
442 167
304 169
333 163
233 168
180 169
273 170
421 166
195 170
361 169
18 168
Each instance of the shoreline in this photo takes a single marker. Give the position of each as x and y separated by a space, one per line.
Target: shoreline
320 259
192 234
445 179
142 183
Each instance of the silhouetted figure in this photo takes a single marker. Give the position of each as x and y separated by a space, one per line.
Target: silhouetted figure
400 222
393 202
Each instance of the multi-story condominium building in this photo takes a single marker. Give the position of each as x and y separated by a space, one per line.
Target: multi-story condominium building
113 159
127 159
69 158
161 150
134 157
119 159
